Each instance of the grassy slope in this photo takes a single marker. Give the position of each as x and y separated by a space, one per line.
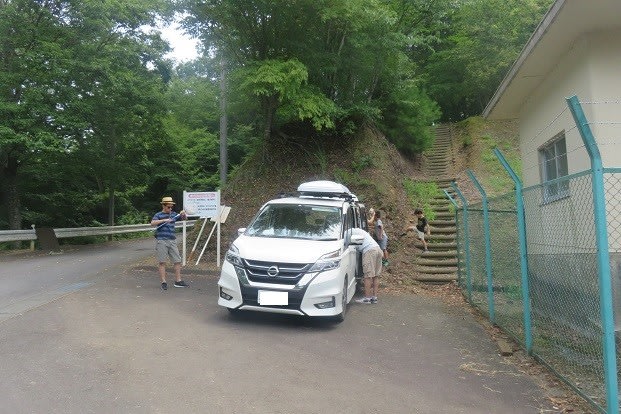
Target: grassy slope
474 142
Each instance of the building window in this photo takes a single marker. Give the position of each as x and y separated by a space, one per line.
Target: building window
553 163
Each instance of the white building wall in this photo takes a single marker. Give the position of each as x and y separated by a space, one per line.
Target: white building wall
545 113
590 70
605 55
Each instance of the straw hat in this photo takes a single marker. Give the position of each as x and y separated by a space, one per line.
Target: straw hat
167 200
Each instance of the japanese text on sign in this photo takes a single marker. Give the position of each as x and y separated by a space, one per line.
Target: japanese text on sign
201 204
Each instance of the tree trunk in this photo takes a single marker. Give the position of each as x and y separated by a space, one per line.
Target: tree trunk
223 126
270 110
111 205
269 119
11 193
10 189
112 182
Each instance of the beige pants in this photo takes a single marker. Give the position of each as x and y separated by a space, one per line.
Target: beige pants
372 262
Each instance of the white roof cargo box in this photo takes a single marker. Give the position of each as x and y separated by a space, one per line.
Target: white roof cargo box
324 188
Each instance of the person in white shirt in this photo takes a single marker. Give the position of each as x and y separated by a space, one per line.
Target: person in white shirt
371 265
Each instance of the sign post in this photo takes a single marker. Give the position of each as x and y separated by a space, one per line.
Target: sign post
223 213
202 204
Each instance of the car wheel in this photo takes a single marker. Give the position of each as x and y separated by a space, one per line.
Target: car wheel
341 316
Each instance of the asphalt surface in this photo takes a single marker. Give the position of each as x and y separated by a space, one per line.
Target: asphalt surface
110 341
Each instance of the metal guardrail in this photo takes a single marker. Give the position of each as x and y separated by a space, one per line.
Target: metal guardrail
24 235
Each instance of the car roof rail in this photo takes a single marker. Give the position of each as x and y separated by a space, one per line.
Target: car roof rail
316 194
286 195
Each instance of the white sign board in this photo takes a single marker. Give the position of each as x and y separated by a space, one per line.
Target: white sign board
201 204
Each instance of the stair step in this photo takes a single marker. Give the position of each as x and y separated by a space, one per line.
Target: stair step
436 270
438 278
443 237
452 254
444 230
440 223
422 261
442 245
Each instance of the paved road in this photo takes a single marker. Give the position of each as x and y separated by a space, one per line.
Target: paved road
111 341
31 280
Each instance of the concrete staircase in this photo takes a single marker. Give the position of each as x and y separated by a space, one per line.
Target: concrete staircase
439 264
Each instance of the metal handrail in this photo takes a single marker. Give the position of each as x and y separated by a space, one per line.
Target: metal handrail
24 235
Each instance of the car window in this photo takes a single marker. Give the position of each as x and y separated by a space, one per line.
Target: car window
297 221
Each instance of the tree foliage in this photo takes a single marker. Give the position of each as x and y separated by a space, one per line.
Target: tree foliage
484 39
80 84
314 62
96 124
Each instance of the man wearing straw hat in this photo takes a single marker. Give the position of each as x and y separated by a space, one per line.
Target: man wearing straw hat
166 246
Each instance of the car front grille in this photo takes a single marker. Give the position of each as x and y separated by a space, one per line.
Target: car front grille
277 273
250 296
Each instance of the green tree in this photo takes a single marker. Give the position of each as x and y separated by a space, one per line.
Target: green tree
30 49
81 82
486 37
312 62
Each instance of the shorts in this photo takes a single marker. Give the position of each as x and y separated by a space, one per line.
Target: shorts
383 244
421 234
167 249
372 262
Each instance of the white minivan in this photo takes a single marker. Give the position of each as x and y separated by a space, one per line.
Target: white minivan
297 256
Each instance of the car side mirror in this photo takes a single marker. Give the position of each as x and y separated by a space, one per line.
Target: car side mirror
356 239
241 231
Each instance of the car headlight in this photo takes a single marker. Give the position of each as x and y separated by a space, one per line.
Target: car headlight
232 256
328 261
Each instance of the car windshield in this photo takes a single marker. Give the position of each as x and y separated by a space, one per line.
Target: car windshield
297 221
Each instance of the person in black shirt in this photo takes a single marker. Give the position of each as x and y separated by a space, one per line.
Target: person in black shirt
421 227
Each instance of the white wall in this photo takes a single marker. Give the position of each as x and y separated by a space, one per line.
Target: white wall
591 70
605 53
540 120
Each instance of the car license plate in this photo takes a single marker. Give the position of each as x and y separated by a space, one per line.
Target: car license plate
270 298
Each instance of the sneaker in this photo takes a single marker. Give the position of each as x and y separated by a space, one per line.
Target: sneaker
364 300
385 263
374 299
181 283
164 285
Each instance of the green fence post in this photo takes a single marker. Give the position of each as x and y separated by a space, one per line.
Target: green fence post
603 259
452 200
464 205
521 224
488 248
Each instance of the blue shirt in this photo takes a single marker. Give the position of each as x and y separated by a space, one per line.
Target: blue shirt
165 231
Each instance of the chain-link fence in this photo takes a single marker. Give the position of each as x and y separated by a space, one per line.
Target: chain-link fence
562 274
549 286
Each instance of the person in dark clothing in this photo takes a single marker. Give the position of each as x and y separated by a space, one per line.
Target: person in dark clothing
422 227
